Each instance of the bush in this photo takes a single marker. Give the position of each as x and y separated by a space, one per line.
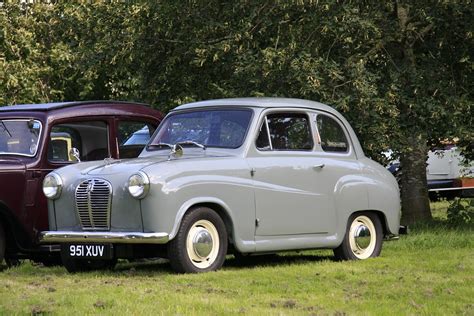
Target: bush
461 211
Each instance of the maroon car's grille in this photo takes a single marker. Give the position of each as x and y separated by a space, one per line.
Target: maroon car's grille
93 199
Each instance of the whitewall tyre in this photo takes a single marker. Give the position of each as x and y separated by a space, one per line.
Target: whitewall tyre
363 238
200 244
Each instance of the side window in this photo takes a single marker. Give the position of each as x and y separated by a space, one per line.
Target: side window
288 131
90 138
331 135
132 137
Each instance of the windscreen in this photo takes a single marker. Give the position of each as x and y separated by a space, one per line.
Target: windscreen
19 137
211 128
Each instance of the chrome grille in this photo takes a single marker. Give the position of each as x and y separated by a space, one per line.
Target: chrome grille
93 199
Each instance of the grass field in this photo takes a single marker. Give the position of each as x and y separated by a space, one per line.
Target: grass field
429 272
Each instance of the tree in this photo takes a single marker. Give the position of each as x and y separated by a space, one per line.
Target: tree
428 49
400 71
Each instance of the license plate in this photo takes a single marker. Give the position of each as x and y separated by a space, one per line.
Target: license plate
90 251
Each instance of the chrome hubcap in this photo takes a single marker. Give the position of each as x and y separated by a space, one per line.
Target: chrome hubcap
202 243
362 236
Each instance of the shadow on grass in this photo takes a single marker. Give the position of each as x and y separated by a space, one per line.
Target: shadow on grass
143 267
157 266
274 260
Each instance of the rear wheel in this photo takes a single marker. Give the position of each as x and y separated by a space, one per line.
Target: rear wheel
363 238
201 242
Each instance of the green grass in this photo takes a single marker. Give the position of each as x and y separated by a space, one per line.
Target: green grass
429 272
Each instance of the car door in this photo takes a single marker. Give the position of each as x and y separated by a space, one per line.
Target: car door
290 195
339 167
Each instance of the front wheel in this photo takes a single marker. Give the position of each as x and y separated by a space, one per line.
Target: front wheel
363 238
2 243
201 242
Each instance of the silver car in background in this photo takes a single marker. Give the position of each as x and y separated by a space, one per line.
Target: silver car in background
248 176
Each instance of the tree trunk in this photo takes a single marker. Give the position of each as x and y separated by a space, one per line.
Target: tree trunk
414 192
413 183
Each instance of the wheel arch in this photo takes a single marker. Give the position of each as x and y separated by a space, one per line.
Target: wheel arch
381 215
216 205
222 212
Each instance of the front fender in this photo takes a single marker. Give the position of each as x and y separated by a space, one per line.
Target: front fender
173 192
186 207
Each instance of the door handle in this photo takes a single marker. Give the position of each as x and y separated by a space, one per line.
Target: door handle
318 166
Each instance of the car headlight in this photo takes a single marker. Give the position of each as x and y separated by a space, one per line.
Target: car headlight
138 185
52 186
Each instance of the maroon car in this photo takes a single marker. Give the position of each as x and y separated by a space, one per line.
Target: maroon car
37 138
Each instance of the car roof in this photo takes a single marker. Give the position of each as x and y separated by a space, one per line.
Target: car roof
44 107
262 102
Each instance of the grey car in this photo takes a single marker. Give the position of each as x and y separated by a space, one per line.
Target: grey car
247 176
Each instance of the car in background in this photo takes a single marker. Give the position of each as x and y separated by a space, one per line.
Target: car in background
140 137
245 176
38 138
448 175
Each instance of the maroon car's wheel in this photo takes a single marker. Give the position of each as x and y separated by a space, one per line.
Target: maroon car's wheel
201 242
2 243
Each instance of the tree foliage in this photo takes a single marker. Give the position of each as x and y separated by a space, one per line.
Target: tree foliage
400 71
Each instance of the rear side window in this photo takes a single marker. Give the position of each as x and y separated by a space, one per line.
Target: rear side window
285 131
332 136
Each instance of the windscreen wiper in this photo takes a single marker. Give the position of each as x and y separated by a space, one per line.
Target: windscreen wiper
160 145
6 129
193 143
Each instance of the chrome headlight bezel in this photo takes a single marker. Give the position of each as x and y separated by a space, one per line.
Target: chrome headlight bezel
138 185
52 186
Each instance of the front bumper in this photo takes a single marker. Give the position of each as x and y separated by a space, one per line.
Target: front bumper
103 237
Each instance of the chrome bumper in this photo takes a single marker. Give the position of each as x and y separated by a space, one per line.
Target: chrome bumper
103 237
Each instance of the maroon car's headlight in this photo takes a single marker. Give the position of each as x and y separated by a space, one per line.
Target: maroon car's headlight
52 186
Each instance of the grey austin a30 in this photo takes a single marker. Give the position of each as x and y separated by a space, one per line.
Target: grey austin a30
248 176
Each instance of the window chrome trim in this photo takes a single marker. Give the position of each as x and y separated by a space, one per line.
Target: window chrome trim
268 133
